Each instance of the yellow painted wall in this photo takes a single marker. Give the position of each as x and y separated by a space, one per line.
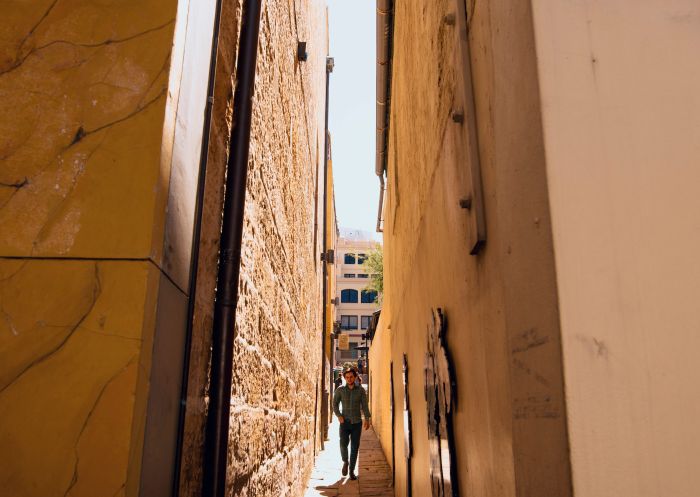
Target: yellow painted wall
86 148
73 347
331 239
81 129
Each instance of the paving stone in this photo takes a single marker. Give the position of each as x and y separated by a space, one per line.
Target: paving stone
373 471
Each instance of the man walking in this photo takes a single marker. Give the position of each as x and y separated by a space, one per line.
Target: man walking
354 400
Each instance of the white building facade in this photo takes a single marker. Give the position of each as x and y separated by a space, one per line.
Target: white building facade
355 302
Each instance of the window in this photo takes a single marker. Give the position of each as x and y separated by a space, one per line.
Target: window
361 258
349 259
365 322
348 275
348 354
348 322
368 296
362 275
349 296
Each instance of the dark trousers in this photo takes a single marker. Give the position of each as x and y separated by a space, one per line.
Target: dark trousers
350 432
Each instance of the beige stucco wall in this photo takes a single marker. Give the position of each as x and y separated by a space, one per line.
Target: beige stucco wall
380 384
590 108
501 309
621 112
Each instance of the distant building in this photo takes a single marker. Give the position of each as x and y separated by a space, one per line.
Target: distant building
356 302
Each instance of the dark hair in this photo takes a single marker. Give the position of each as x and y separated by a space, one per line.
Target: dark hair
350 370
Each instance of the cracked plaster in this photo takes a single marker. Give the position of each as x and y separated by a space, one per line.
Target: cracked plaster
83 91
68 392
84 116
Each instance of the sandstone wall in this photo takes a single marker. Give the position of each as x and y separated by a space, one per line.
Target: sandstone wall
277 361
275 421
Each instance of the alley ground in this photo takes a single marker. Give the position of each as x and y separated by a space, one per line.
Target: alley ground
373 471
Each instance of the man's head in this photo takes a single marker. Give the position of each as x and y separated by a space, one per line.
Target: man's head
350 374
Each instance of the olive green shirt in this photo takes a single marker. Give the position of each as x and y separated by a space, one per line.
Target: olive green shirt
354 403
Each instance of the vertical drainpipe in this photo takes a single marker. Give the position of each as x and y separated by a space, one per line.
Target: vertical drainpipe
385 42
217 431
324 298
196 235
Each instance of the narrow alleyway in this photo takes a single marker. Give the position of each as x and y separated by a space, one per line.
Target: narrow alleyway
373 471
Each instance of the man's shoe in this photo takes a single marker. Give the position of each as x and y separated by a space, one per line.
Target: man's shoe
352 475
345 468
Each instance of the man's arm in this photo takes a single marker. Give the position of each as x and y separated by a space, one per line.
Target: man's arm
365 410
364 405
336 403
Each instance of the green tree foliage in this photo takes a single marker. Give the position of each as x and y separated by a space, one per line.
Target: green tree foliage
374 265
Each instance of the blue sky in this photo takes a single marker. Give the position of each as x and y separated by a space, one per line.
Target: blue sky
352 111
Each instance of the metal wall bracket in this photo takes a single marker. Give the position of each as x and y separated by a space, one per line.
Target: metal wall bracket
468 122
302 55
328 257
